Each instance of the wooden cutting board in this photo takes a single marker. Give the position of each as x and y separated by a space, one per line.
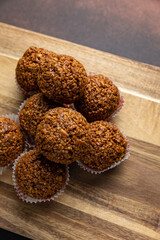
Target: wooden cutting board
123 203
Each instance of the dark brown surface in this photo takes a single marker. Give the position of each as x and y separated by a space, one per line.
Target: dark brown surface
126 28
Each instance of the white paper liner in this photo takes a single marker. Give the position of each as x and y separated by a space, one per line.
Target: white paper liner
29 140
22 105
14 118
88 169
3 168
121 101
24 92
28 199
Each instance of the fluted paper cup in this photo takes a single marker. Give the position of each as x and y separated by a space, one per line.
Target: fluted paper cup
28 199
88 169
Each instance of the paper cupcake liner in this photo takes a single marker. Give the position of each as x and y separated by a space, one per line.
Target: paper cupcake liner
121 101
29 140
88 169
24 92
2 169
25 197
22 105
14 118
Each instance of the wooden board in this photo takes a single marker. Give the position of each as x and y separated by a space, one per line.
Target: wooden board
123 203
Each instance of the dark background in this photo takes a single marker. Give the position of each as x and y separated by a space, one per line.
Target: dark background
129 28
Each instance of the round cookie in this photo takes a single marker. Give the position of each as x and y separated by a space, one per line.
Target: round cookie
11 141
33 112
62 80
100 99
59 135
39 178
28 67
103 145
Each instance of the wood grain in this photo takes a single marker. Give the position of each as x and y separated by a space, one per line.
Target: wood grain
130 75
122 203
